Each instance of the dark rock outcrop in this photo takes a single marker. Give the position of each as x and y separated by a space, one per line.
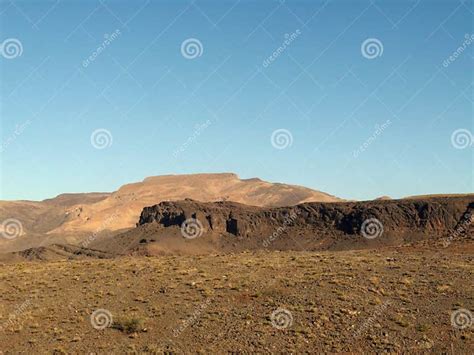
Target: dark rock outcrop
430 217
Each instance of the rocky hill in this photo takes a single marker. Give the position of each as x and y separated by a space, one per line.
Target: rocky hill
193 227
70 218
435 216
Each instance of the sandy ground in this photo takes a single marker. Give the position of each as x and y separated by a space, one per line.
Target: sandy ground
396 301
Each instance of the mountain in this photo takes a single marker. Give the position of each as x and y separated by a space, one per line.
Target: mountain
69 218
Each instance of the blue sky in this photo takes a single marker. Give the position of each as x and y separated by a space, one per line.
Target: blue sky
357 124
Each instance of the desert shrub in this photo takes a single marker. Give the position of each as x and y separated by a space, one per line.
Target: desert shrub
128 324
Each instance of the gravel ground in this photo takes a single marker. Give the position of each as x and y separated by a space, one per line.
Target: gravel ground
393 300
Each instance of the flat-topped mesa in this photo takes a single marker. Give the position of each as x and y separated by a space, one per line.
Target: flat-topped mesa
68 218
399 218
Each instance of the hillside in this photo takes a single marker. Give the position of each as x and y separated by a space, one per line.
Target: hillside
69 218
232 227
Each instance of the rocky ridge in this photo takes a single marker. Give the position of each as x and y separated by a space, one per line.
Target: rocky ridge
391 220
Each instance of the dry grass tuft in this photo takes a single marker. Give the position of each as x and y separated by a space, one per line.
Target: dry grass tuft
128 324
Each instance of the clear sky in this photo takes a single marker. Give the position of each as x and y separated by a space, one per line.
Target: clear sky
370 95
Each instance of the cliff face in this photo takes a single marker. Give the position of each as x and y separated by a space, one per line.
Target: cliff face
428 217
228 227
